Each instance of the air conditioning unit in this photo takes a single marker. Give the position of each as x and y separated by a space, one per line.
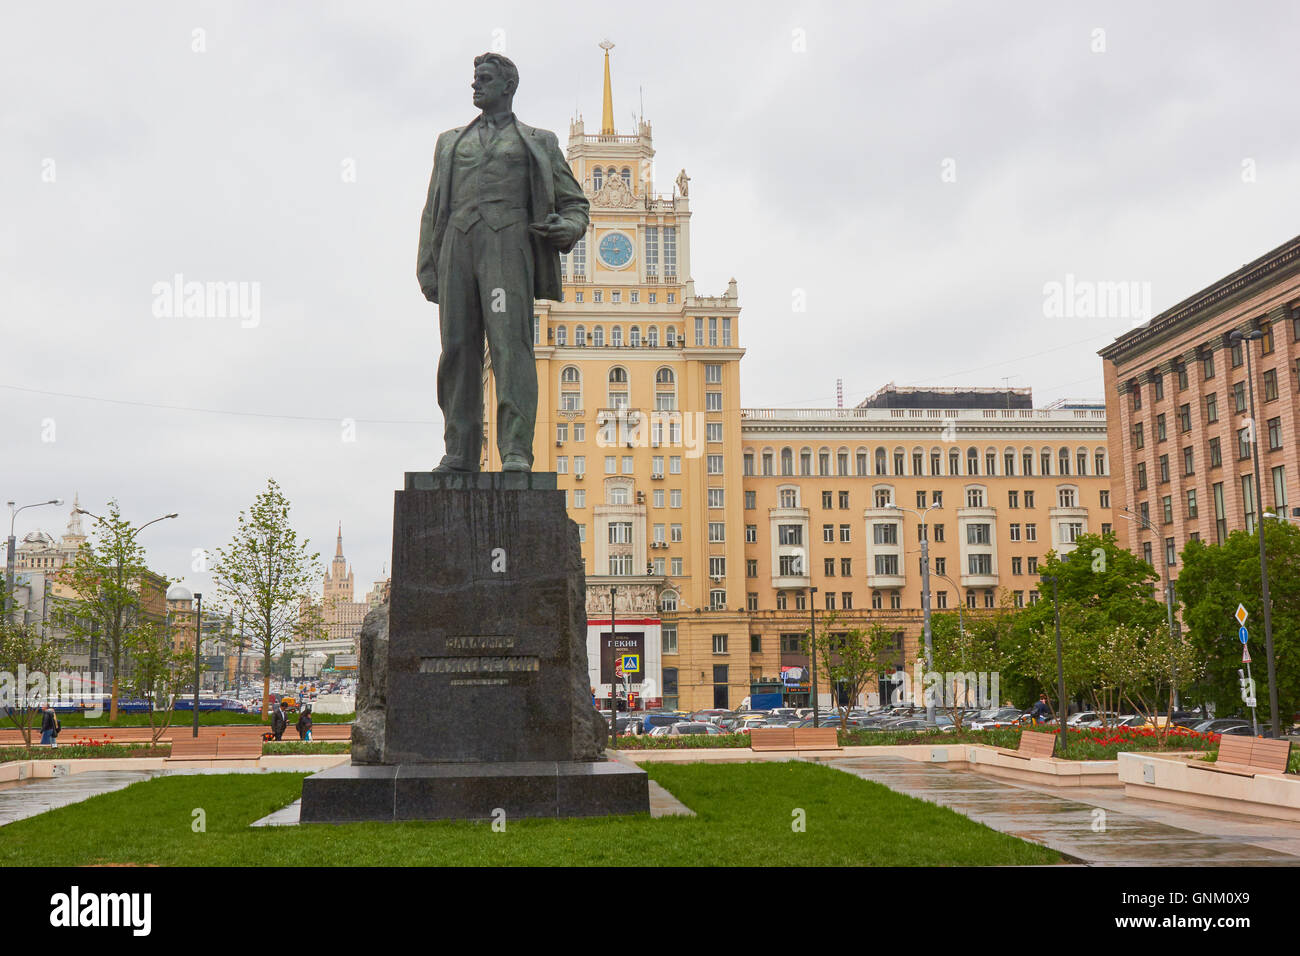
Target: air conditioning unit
559 443
579 475
640 497
656 477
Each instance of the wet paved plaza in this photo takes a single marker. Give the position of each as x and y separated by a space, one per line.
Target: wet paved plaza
26 798
1094 825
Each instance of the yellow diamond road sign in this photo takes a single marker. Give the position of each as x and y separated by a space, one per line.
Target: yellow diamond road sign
1241 615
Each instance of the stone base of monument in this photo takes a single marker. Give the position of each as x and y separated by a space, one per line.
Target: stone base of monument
474 693
459 791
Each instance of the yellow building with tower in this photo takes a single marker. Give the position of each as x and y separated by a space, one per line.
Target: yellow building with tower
710 522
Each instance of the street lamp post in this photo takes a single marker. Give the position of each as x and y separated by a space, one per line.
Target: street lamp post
12 553
1247 338
95 633
198 641
925 600
1169 590
1064 707
961 631
613 685
812 645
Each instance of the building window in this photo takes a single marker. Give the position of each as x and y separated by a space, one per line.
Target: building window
719 643
1191 502
1220 515
669 631
1270 385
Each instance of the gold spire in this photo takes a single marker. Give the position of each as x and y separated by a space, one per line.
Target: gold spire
607 110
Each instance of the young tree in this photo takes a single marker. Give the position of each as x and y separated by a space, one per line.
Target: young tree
849 659
158 673
265 574
967 647
24 656
106 576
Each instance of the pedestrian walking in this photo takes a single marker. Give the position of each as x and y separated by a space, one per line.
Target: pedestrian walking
280 720
49 726
304 723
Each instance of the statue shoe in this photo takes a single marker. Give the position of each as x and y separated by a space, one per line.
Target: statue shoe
445 468
516 463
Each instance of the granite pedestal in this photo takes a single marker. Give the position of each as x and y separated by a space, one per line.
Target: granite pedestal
474 694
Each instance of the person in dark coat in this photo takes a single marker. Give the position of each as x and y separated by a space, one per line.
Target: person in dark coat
49 727
304 724
1041 711
280 720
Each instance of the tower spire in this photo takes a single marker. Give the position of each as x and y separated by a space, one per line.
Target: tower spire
607 108
338 551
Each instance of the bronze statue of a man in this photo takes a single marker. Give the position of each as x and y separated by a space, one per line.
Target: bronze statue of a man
502 206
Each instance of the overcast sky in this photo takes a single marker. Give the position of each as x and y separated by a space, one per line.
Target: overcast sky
919 170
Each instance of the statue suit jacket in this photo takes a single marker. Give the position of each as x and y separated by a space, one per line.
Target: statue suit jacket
552 188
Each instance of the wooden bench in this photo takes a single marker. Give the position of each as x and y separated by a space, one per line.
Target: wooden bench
1249 756
193 748
241 747
1032 744
793 738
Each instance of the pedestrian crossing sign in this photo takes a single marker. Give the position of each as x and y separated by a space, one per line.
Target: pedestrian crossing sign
631 663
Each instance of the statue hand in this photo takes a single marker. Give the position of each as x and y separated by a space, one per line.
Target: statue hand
555 230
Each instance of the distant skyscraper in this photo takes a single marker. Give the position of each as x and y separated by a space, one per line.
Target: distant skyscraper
343 615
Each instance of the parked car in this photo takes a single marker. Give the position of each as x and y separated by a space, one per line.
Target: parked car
1130 720
1219 725
1002 717
651 722
687 728
1091 718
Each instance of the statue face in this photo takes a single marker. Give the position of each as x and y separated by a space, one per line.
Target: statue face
490 88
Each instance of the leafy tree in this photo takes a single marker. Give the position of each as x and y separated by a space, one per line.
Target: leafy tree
266 574
968 645
158 673
1110 584
106 577
1032 652
1156 659
1214 579
24 652
850 658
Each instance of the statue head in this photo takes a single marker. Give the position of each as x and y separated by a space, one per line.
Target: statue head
495 80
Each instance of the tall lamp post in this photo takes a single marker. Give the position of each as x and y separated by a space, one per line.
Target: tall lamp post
613 686
925 597
1062 710
94 635
11 554
812 645
961 630
1247 338
1130 515
198 641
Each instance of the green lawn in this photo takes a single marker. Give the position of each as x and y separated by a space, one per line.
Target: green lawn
744 816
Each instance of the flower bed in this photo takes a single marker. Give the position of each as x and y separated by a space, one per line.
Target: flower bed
78 751
1091 744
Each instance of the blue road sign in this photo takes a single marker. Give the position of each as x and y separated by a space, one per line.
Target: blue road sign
1241 633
